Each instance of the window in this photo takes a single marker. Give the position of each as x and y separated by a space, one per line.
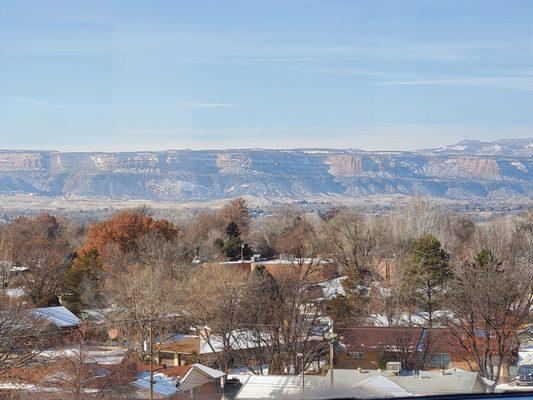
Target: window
440 360
355 354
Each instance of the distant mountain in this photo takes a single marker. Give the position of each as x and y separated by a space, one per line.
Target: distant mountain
469 169
502 147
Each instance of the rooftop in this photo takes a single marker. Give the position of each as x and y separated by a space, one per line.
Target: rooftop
59 316
362 385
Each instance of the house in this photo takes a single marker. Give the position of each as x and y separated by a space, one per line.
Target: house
55 373
58 316
371 347
321 269
359 384
181 349
328 289
179 381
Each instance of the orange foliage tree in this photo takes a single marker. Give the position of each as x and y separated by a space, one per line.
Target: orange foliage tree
124 230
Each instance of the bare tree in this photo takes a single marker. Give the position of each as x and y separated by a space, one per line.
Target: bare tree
147 292
78 376
352 241
489 300
237 211
391 301
214 309
22 335
285 320
267 230
37 246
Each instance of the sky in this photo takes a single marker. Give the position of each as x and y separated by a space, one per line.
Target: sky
154 75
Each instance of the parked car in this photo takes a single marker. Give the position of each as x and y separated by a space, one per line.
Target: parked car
525 375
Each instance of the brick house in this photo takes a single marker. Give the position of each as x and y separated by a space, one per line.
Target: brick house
415 347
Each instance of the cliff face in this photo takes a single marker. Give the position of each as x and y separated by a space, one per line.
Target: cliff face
273 174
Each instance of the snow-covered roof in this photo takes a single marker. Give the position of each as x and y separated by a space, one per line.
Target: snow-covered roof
239 340
59 316
213 373
333 287
105 355
163 385
295 260
434 383
168 384
404 319
362 386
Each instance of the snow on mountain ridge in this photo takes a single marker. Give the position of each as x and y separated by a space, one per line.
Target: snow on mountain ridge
469 169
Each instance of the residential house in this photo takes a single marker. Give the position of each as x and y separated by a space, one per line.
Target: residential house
58 317
371 347
184 381
318 270
181 349
369 384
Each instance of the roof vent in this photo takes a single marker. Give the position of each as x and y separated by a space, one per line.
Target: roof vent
394 366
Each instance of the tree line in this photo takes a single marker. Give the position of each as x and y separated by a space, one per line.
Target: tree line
420 260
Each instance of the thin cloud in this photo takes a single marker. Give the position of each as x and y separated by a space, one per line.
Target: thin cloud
28 100
522 83
206 104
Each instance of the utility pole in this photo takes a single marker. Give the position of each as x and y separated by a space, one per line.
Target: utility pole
151 360
330 336
242 252
331 357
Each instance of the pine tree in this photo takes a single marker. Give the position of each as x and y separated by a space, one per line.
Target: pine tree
426 272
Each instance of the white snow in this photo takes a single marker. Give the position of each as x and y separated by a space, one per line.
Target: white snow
519 166
505 387
163 384
213 373
525 355
59 316
15 292
333 287
105 355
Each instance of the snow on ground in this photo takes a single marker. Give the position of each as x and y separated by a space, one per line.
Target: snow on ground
506 387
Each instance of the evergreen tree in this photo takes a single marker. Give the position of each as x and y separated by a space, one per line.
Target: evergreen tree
426 273
233 231
87 268
486 260
233 246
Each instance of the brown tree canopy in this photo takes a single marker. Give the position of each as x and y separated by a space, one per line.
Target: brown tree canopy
124 229
37 245
237 211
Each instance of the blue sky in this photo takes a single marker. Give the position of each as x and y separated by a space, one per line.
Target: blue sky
150 75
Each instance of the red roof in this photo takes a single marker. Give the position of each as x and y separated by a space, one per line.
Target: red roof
439 341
